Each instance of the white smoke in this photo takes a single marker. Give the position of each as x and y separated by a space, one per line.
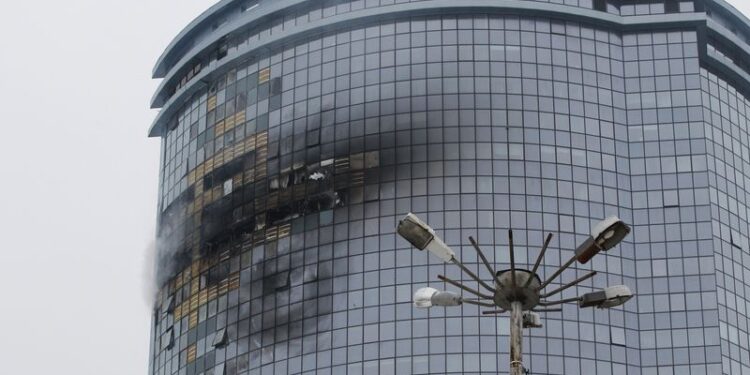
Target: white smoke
148 281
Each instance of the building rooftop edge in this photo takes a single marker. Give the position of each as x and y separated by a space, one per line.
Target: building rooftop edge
160 70
160 67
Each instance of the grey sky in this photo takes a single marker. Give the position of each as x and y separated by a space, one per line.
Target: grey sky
78 198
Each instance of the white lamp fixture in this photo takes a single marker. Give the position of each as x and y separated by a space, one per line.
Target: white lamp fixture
421 236
605 235
608 297
425 298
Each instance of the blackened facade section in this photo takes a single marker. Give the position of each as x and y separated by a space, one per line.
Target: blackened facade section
296 133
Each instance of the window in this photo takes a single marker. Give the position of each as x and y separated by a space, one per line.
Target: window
671 6
168 306
221 338
276 86
227 187
600 5
167 339
617 336
223 48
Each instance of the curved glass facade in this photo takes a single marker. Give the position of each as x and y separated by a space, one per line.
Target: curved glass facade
285 170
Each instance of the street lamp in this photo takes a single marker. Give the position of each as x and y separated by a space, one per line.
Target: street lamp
421 236
604 236
427 297
519 291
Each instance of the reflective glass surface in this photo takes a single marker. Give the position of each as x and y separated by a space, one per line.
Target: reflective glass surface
283 181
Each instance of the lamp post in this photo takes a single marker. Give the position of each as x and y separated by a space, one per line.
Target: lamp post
520 291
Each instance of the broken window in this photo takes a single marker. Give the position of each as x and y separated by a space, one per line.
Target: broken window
273 183
167 339
221 338
260 222
600 5
227 187
617 336
218 273
276 86
671 6
310 274
168 306
223 48
372 159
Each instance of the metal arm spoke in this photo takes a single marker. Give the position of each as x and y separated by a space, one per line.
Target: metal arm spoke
466 288
512 259
493 312
484 259
558 272
478 303
568 285
552 303
539 259
473 275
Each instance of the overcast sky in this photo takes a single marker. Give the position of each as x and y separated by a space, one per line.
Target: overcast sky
79 180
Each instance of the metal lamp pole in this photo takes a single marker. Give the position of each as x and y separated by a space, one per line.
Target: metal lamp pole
516 339
519 291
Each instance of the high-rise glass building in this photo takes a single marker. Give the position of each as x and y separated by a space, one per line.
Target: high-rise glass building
295 134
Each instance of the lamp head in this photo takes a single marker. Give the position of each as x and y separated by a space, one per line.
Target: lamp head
421 236
605 235
609 232
608 297
427 297
416 231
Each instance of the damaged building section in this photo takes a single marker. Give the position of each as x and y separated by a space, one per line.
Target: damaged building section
242 216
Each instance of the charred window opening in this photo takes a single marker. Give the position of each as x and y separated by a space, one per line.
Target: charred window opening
281 182
242 216
303 275
672 6
216 218
312 204
227 171
172 260
192 73
276 86
174 212
276 282
600 5
260 222
217 274
168 306
281 214
223 48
